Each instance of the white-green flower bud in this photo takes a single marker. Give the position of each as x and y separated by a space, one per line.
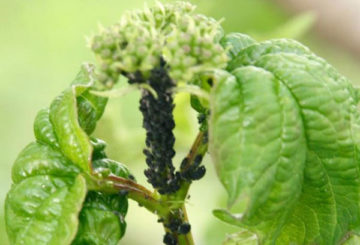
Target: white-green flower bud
188 42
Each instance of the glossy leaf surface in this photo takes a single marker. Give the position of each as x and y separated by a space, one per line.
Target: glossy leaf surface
49 175
44 210
102 219
284 134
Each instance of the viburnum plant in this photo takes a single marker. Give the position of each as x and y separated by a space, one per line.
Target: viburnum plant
281 125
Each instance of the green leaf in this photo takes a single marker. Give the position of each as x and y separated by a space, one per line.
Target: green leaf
73 140
241 238
352 240
253 52
234 42
227 217
44 203
46 197
40 159
284 133
114 167
102 220
44 210
90 109
73 116
43 129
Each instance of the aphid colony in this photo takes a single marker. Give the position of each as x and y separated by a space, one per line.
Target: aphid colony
158 121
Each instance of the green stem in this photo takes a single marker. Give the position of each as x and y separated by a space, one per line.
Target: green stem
141 195
163 206
151 202
186 239
199 147
177 200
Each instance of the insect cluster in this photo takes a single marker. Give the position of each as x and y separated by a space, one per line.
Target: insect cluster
158 121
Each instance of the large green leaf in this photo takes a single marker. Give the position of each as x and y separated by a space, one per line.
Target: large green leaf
284 134
44 210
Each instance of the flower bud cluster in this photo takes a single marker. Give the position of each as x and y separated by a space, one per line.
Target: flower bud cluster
192 47
188 42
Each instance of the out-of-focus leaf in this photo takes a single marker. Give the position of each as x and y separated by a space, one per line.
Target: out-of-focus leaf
241 238
352 240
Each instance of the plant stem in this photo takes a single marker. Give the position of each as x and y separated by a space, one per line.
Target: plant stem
199 147
165 207
141 195
186 239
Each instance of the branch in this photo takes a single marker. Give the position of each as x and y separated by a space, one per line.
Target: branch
176 202
199 148
140 194
166 207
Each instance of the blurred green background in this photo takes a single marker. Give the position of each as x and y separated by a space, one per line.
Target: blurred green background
42 44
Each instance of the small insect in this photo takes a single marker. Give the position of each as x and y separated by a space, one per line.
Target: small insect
131 177
123 192
184 228
201 118
174 225
184 163
198 160
198 173
169 239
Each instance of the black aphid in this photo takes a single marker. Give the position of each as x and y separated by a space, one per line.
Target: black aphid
169 239
184 228
159 123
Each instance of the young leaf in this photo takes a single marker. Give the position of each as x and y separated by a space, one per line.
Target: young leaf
284 136
90 109
73 115
43 129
